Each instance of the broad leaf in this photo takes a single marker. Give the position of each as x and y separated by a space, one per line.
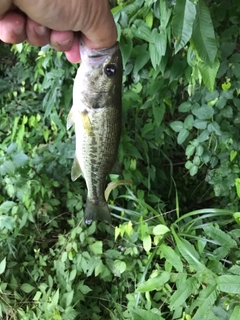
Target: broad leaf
236 313
154 283
205 301
140 314
183 292
182 135
160 230
203 34
220 236
203 112
184 15
209 73
27 288
2 265
229 284
6 206
176 125
190 254
172 257
147 243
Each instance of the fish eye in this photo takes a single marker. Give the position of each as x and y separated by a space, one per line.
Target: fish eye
110 70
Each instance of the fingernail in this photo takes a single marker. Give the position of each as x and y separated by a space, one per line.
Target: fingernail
40 30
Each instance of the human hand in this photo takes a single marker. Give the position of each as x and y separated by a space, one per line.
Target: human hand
58 23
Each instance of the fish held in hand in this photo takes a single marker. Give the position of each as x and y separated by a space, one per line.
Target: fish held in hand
96 114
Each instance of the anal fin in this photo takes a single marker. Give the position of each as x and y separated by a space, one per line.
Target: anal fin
76 169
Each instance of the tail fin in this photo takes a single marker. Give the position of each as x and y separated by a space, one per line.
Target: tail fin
94 211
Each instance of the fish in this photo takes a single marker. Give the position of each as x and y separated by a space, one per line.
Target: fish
97 115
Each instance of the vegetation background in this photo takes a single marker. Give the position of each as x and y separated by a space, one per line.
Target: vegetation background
172 251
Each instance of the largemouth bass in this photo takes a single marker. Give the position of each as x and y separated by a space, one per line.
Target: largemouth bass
96 113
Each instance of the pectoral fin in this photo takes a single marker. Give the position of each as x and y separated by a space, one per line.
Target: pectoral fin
86 123
76 169
70 119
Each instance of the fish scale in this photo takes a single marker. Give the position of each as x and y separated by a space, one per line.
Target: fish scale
96 113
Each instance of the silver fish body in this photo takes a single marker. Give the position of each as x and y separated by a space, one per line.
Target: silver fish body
96 113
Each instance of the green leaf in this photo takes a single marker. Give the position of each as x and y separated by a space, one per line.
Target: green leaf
203 34
190 150
154 283
214 127
7 222
220 236
193 170
96 247
158 113
236 313
7 168
209 73
203 112
229 284
27 288
37 296
237 214
176 125
55 298
6 206
188 122
126 45
189 253
160 41
160 230
147 243
182 135
83 288
171 256
19 159
2 265
183 17
200 124
203 136
142 58
235 270
140 314
205 300
165 14
157 46
185 107
69 298
119 267
181 294
141 30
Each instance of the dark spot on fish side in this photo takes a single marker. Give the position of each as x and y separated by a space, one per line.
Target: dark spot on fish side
110 70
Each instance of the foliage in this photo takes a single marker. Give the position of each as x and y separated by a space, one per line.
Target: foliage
166 256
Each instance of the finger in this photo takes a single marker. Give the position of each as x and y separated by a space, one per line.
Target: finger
37 34
61 40
73 55
5 6
12 28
